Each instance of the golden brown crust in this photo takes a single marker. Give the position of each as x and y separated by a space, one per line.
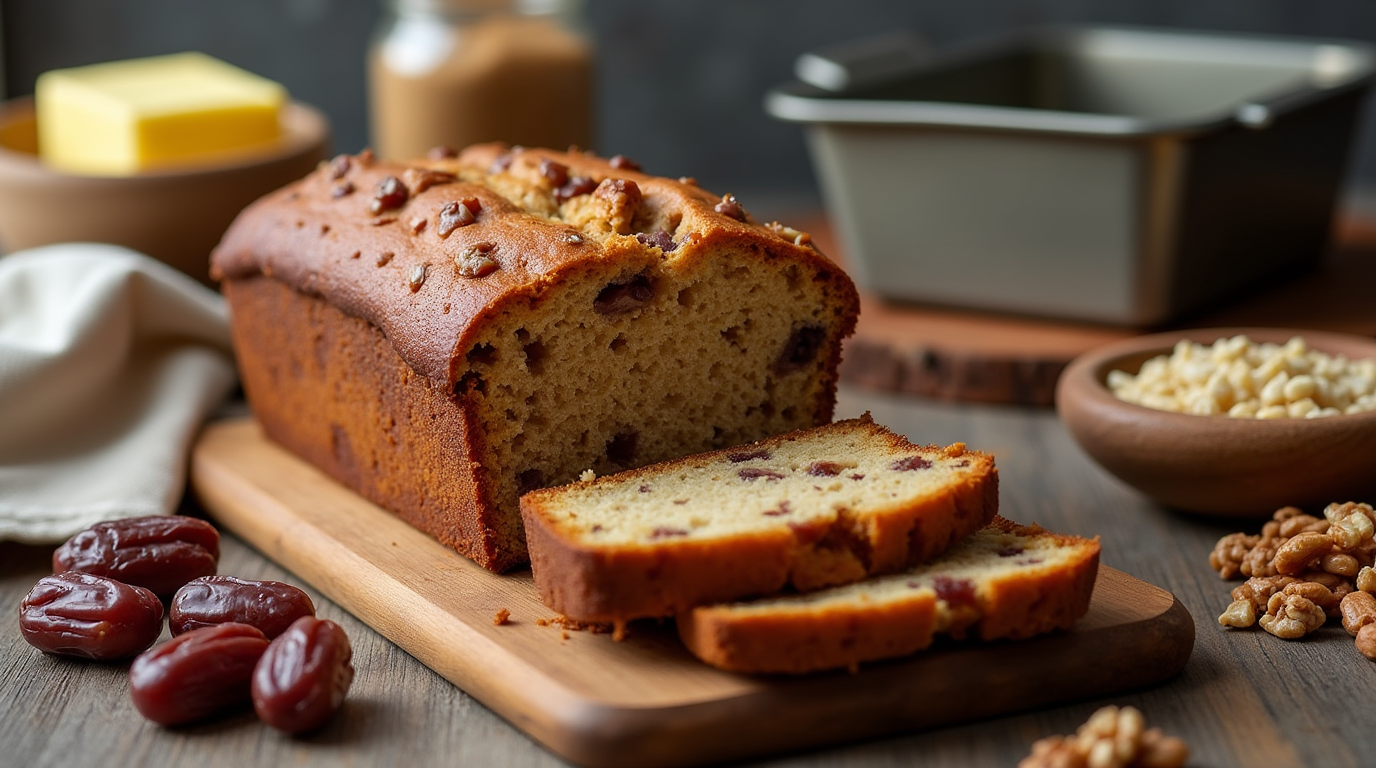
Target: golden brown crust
344 401
843 634
590 582
840 636
1056 599
327 244
600 585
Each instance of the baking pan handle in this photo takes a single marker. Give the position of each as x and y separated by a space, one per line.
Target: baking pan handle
859 63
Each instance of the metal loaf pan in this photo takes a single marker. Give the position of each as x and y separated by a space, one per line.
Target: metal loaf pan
1123 176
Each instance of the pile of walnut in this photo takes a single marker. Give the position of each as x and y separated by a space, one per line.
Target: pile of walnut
1302 570
1111 738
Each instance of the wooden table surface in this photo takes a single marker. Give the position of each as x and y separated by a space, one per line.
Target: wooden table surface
1244 699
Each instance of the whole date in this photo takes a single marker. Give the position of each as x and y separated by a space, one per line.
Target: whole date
198 674
271 606
82 614
303 677
160 553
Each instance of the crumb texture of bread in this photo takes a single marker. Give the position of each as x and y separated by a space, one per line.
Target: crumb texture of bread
546 312
807 509
1004 581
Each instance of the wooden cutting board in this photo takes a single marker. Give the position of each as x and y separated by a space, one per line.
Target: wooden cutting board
645 701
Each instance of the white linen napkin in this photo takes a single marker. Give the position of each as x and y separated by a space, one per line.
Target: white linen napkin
109 361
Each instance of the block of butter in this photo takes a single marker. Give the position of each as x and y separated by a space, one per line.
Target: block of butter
125 117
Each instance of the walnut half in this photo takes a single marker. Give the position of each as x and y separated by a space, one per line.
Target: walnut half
1291 617
1113 737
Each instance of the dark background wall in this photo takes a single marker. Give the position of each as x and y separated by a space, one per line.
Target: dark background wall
679 81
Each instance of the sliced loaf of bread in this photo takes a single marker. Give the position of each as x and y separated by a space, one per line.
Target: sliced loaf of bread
442 336
807 509
1005 581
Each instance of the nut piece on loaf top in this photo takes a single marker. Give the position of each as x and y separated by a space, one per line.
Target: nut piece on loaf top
446 335
808 509
1005 581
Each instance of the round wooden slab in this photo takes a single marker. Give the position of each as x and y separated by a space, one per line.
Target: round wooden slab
966 355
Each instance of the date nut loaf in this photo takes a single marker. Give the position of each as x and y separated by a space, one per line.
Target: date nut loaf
445 335
1005 581
810 509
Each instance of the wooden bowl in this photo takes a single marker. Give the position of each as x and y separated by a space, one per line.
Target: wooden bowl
1215 464
176 216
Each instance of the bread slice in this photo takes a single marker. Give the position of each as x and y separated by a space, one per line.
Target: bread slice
1005 581
810 509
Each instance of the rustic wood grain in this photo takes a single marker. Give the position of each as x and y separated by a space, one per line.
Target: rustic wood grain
645 702
1244 698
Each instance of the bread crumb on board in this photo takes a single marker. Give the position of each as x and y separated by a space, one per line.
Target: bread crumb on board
503 616
616 629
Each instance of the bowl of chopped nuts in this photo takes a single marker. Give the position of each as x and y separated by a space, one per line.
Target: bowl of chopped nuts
1229 421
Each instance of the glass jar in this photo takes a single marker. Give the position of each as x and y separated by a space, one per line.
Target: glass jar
458 72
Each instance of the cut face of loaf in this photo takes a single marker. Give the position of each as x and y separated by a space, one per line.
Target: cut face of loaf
810 509
445 337
1005 581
